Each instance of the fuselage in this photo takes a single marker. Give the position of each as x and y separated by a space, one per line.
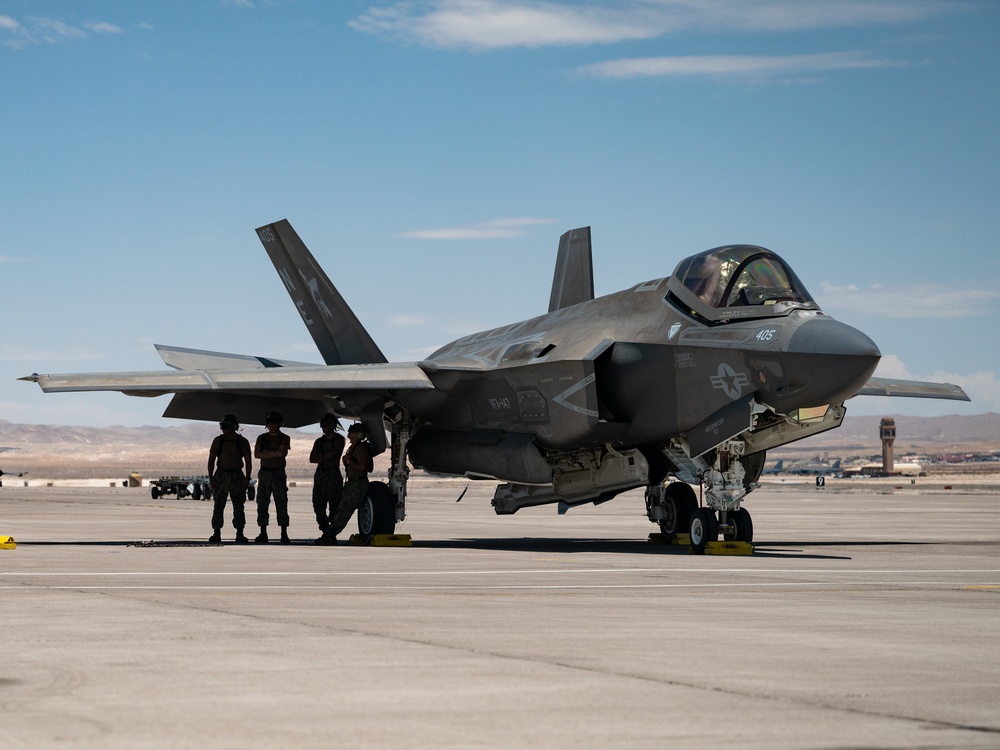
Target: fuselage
635 368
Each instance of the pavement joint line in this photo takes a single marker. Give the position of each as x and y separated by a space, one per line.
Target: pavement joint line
499 587
531 571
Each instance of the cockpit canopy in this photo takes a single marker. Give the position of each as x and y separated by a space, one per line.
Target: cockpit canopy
737 282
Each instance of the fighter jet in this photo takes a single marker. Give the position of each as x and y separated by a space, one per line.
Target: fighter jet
815 469
683 380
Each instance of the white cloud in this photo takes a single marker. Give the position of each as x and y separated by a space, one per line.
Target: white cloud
54 31
728 66
492 24
498 228
925 300
104 28
39 30
496 24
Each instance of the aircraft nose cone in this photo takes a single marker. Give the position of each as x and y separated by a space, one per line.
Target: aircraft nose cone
832 359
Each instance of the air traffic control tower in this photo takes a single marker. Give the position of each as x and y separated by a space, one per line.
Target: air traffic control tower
887 431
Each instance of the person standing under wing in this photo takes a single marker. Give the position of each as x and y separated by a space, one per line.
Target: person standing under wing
357 465
328 483
271 449
229 471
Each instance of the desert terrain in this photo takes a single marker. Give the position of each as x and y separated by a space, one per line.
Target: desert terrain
54 452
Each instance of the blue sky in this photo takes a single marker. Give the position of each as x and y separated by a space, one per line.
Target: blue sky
431 153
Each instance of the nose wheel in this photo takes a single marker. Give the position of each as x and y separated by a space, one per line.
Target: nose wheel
740 526
704 528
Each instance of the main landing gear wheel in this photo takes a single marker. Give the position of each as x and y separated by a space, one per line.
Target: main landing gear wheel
704 528
743 524
679 502
377 511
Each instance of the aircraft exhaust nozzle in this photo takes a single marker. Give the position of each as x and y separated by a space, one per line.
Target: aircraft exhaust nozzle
833 359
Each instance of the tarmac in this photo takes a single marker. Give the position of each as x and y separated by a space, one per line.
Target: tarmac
864 619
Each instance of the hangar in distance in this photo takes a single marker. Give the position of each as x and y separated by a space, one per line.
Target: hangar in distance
683 380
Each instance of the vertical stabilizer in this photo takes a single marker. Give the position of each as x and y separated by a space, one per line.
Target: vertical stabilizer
338 333
573 281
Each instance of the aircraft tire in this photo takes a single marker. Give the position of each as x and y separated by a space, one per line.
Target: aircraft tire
743 523
377 511
704 528
680 503
196 491
154 492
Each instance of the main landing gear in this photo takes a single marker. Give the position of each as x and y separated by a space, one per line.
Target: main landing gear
385 502
675 508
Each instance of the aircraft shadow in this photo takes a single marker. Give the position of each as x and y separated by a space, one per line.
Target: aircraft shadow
772 549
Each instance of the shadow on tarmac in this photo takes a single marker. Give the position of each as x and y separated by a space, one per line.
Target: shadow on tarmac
772 549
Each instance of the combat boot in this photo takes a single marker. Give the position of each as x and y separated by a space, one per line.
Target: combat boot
284 535
216 538
261 537
241 538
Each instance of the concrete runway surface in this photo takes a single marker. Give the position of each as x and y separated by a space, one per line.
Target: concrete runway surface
864 619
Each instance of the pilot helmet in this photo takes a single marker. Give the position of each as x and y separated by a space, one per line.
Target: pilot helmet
228 422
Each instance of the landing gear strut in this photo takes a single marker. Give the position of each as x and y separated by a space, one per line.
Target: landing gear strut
385 503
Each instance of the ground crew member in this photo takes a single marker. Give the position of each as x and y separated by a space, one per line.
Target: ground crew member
357 464
271 448
229 471
328 483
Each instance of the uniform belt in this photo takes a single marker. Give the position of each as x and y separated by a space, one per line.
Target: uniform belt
229 471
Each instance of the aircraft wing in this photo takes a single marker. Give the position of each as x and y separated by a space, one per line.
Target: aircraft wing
912 389
324 378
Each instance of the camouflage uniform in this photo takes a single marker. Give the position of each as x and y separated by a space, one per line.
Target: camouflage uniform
271 480
231 484
229 480
328 488
354 492
357 464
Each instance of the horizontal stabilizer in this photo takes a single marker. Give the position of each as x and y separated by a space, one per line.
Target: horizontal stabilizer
197 359
573 280
338 333
912 389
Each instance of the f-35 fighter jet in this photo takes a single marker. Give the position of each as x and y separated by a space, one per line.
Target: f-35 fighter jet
678 381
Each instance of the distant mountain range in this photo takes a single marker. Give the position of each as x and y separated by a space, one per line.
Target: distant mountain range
980 432
112 451
979 429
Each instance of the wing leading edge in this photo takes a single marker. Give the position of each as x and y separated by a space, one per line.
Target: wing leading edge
301 393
